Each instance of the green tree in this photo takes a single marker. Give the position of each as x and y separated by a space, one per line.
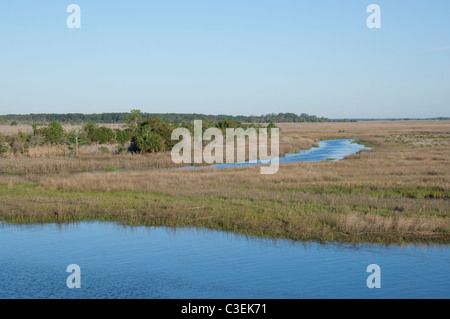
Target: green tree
133 119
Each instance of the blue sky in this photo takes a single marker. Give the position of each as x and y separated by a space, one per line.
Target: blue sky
226 57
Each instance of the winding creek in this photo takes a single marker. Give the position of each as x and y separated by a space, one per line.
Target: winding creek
119 261
325 150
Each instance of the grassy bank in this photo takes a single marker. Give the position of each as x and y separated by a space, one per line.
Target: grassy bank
394 193
297 216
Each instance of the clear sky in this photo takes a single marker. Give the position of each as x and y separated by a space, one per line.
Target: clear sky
226 57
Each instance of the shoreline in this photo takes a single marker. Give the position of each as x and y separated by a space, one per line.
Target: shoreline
136 208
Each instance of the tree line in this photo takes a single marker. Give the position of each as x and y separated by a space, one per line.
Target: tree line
77 118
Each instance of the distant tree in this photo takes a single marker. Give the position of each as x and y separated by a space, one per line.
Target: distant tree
136 116
76 138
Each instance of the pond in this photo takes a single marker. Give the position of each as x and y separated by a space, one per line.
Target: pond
119 261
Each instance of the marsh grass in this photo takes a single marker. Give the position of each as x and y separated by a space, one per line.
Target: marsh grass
393 193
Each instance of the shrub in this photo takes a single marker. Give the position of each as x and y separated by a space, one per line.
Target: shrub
19 143
90 130
101 135
123 136
3 145
105 135
104 150
153 135
147 141
53 133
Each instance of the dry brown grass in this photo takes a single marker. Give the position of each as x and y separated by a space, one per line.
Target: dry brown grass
9 130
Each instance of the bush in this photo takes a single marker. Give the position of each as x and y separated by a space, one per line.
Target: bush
105 135
13 123
162 129
90 129
19 143
121 149
3 144
147 141
53 133
153 135
76 138
104 150
224 124
123 136
101 135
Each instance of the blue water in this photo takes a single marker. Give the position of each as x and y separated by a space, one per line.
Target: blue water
153 262
326 150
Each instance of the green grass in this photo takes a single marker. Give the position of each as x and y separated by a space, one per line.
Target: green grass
104 150
364 142
267 216
376 192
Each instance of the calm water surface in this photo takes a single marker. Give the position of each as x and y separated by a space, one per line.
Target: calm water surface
326 150
153 262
